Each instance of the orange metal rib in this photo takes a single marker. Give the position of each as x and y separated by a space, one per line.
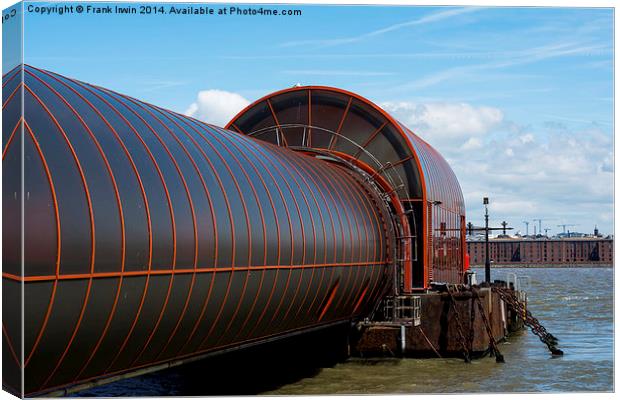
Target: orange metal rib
275 280
303 161
328 181
195 353
361 297
409 142
275 118
230 322
114 184
381 227
262 218
297 167
195 228
385 186
58 246
370 139
13 93
373 208
361 203
8 142
231 219
10 346
338 179
329 301
291 240
309 141
354 243
248 231
150 245
92 230
17 70
276 185
215 238
303 237
146 204
178 271
332 142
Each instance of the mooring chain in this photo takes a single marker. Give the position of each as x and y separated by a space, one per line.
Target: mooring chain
492 343
472 326
533 322
459 326
528 319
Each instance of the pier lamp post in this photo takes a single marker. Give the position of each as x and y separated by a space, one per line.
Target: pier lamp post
487 260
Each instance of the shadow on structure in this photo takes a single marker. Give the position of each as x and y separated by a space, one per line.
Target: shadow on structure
251 371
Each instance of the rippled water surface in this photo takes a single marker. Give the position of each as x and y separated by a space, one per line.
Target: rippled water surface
575 304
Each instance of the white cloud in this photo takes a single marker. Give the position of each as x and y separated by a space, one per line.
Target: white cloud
561 176
504 206
216 106
440 121
472 143
550 171
527 138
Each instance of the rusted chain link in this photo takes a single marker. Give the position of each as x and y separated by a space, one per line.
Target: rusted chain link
472 326
459 326
528 319
492 343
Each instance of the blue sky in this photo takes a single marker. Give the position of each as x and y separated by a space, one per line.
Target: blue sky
519 100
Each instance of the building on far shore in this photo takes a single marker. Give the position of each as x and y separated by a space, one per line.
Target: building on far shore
541 250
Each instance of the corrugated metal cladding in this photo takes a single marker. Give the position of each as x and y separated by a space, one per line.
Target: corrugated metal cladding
150 236
446 213
441 182
342 122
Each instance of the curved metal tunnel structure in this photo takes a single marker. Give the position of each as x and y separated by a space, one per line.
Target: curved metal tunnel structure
149 236
425 195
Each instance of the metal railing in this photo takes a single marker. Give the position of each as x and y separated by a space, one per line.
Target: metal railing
402 310
516 282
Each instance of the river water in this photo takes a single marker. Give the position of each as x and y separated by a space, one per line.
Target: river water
574 304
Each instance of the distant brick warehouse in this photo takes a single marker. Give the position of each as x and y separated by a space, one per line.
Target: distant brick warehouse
581 251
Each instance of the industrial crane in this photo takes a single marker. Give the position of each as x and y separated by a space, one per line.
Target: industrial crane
564 227
527 227
540 220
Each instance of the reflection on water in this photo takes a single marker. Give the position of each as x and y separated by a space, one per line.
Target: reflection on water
575 304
